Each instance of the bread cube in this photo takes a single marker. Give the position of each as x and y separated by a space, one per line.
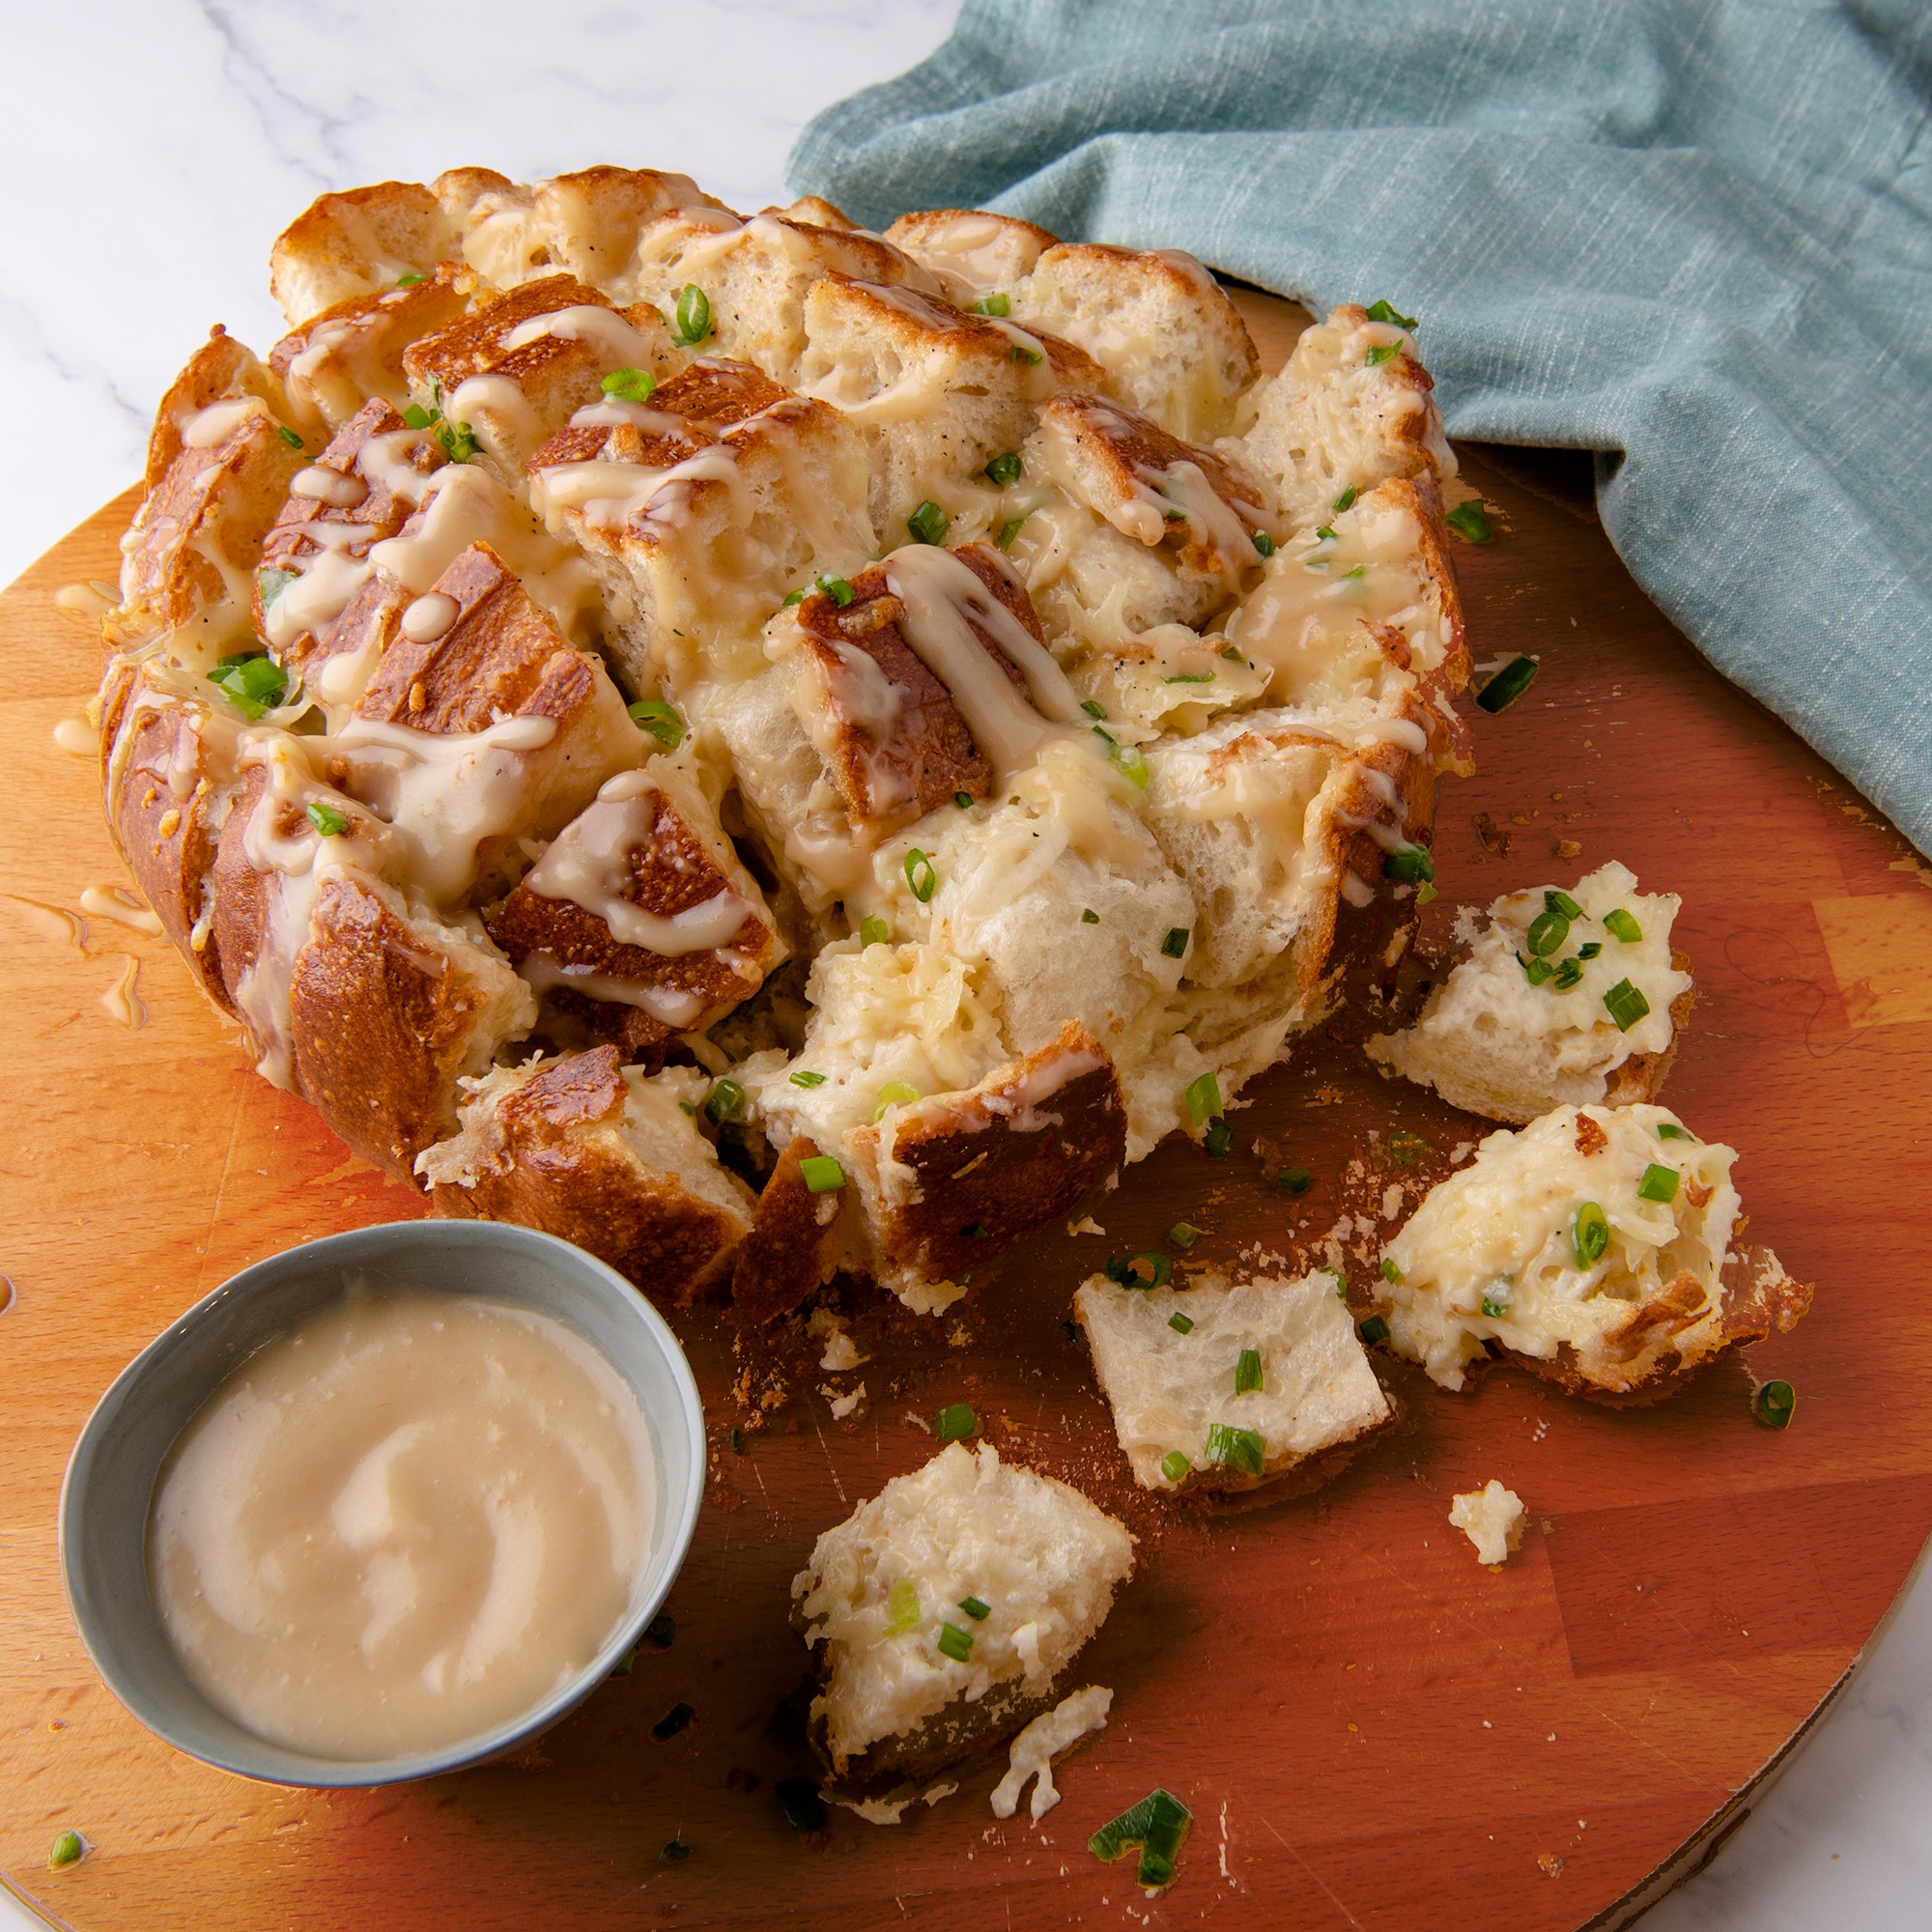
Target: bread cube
1184 1421
884 1588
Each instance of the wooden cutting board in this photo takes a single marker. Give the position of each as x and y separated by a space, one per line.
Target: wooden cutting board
1369 1727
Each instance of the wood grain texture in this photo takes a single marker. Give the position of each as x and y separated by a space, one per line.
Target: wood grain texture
1371 1729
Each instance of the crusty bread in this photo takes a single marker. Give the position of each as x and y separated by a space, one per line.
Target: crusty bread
1042 1561
1169 1385
1493 1042
603 1156
1500 1259
972 254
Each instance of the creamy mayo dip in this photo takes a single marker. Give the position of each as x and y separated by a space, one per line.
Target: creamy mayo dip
402 1523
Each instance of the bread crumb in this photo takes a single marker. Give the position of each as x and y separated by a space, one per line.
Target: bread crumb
1492 1519
1567 848
1085 1225
840 1351
842 1406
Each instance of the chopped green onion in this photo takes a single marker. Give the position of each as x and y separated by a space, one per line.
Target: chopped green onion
1535 971
66 1850
672 1721
994 304
1264 543
416 416
1619 924
252 684
1019 353
803 1808
1174 944
1569 973
796 597
837 589
630 386
822 1174
661 1629
686 1108
727 1103
919 875
1381 312
1128 758
1548 931
1180 1324
1390 1273
1203 1099
894 1094
1009 532
1326 534
625 1664
1235 1448
694 316
1341 1283
1410 864
956 1422
873 931
805 1077
1294 1181
1508 685
1126 1270
901 1606
1659 1183
1248 1372
660 720
459 444
734 1438
955 1643
1233 656
271 583
1493 1309
1093 707
1469 523
1190 677
1404 1146
963 800
1088 917
326 818
1669 1130
1589 1235
1559 901
409 280
1220 1137
1425 891
1383 352
929 523
976 1609
1183 1235
1346 498
288 436
1590 951
1773 1405
1158 1825
674 1853
1349 576
1375 1329
1626 1004
1006 467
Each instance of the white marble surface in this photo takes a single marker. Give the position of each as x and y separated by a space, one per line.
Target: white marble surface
153 148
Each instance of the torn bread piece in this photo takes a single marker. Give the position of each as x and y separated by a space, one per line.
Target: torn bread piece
639 922
1351 409
1047 1738
1563 999
1227 1386
1491 1518
601 1155
1593 1247
940 1613
972 254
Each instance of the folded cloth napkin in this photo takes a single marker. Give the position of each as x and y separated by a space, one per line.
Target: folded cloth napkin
1694 236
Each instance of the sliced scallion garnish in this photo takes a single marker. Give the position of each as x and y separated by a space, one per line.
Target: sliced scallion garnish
1218 1139
1390 1273
1495 1310
1248 1372
1589 1235
1294 1181
1006 467
1590 949
955 1643
1236 1448
1190 677
1381 312
409 279
1183 1235
660 720
1561 902
1180 1324
1009 532
1174 944
901 1606
288 436
725 1103
1469 523
837 589
1264 543
963 800
672 1721
805 1077
921 876
873 931
1375 1329
326 819
993 304
1773 1405
1669 1130
1173 1464
894 1094
1508 685
1383 352
1346 498
271 583
1535 971
66 1850
1140 1271
1659 1183
1326 534
1548 931
821 1174
1568 972
630 386
956 1422
929 523
694 316
1619 924
1410 864
1626 1004
674 1853
976 1609
1088 917
1203 1099
1093 707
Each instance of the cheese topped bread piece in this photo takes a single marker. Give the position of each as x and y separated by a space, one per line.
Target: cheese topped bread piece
1224 1386
1593 1246
909 1680
1564 998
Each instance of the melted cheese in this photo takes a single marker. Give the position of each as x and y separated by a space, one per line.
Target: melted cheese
1043 1740
1492 1519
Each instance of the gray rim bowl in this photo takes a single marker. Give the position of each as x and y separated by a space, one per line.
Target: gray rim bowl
109 1486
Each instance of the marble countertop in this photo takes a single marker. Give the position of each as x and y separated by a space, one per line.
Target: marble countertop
156 146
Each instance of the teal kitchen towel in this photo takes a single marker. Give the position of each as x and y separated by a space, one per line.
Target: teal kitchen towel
1694 235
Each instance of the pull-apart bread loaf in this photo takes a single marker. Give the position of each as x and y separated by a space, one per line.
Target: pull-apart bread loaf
620 669
1563 998
1594 1247
941 1614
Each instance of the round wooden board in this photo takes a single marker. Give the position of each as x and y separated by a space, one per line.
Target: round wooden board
1369 1727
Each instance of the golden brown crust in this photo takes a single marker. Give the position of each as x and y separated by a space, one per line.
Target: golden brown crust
793 1245
355 242
1641 1077
706 398
553 1159
992 1164
384 1021
502 654
221 367
352 353
1406 430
